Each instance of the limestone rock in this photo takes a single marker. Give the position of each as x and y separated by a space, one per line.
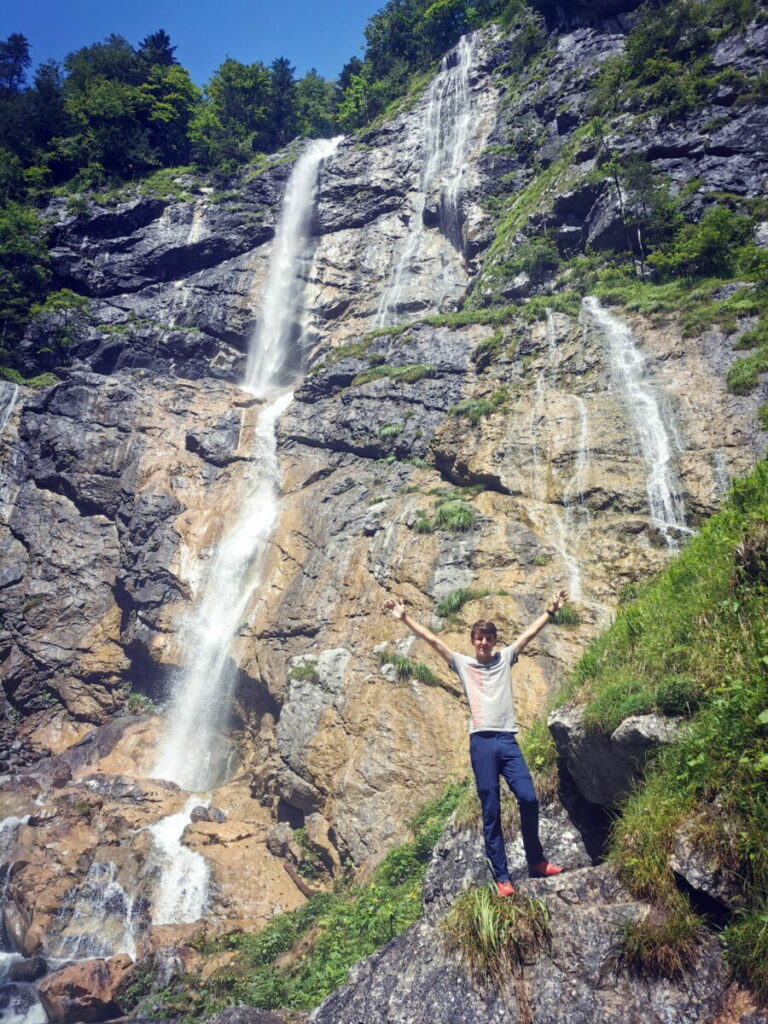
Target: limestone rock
86 991
606 767
416 979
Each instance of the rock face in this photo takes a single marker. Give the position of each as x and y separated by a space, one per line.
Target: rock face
424 454
606 767
416 978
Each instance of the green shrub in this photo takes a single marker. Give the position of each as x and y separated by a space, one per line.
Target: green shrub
455 516
708 247
422 525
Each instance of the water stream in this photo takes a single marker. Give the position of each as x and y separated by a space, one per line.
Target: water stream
8 394
654 429
194 751
445 130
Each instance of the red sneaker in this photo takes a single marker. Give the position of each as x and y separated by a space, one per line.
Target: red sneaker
505 889
544 869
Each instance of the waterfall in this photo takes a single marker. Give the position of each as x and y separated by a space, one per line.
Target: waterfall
654 435
446 129
270 352
8 394
99 917
194 751
182 887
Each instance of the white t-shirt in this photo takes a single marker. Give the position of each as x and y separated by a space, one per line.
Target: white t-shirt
488 689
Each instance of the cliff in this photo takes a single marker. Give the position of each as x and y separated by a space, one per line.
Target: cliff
468 435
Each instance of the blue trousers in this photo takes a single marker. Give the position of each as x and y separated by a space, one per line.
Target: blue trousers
497 754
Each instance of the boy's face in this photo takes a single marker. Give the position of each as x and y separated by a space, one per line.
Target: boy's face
484 644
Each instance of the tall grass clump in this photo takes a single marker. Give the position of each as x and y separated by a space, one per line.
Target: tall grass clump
495 937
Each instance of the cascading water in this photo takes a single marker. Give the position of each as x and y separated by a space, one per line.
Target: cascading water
19 1003
194 751
446 131
184 876
99 917
270 353
654 436
8 394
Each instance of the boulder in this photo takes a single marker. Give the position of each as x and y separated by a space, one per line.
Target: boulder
605 767
84 991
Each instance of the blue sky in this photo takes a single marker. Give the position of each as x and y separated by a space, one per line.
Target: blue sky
322 34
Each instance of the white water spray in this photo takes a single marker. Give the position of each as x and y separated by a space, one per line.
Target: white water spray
653 435
182 888
446 131
269 354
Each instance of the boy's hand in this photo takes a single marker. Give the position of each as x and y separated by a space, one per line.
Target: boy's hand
558 600
396 607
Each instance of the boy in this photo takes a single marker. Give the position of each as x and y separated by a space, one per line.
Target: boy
487 682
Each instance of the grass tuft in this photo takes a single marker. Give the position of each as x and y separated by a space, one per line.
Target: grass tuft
495 937
456 600
665 944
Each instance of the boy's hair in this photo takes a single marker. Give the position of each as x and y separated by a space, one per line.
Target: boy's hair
485 627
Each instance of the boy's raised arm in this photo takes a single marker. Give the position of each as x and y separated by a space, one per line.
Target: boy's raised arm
397 608
557 602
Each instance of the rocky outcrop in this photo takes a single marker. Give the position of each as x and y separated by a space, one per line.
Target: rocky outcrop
575 976
84 992
607 766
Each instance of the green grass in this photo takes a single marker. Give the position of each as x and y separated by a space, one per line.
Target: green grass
475 409
456 600
306 672
695 642
406 668
408 374
43 380
454 516
495 937
566 616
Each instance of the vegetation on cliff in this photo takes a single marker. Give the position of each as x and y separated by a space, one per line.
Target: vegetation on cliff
694 643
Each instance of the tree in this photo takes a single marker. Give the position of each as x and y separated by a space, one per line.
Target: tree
232 123
14 61
46 101
172 99
315 106
156 49
64 317
282 104
24 270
